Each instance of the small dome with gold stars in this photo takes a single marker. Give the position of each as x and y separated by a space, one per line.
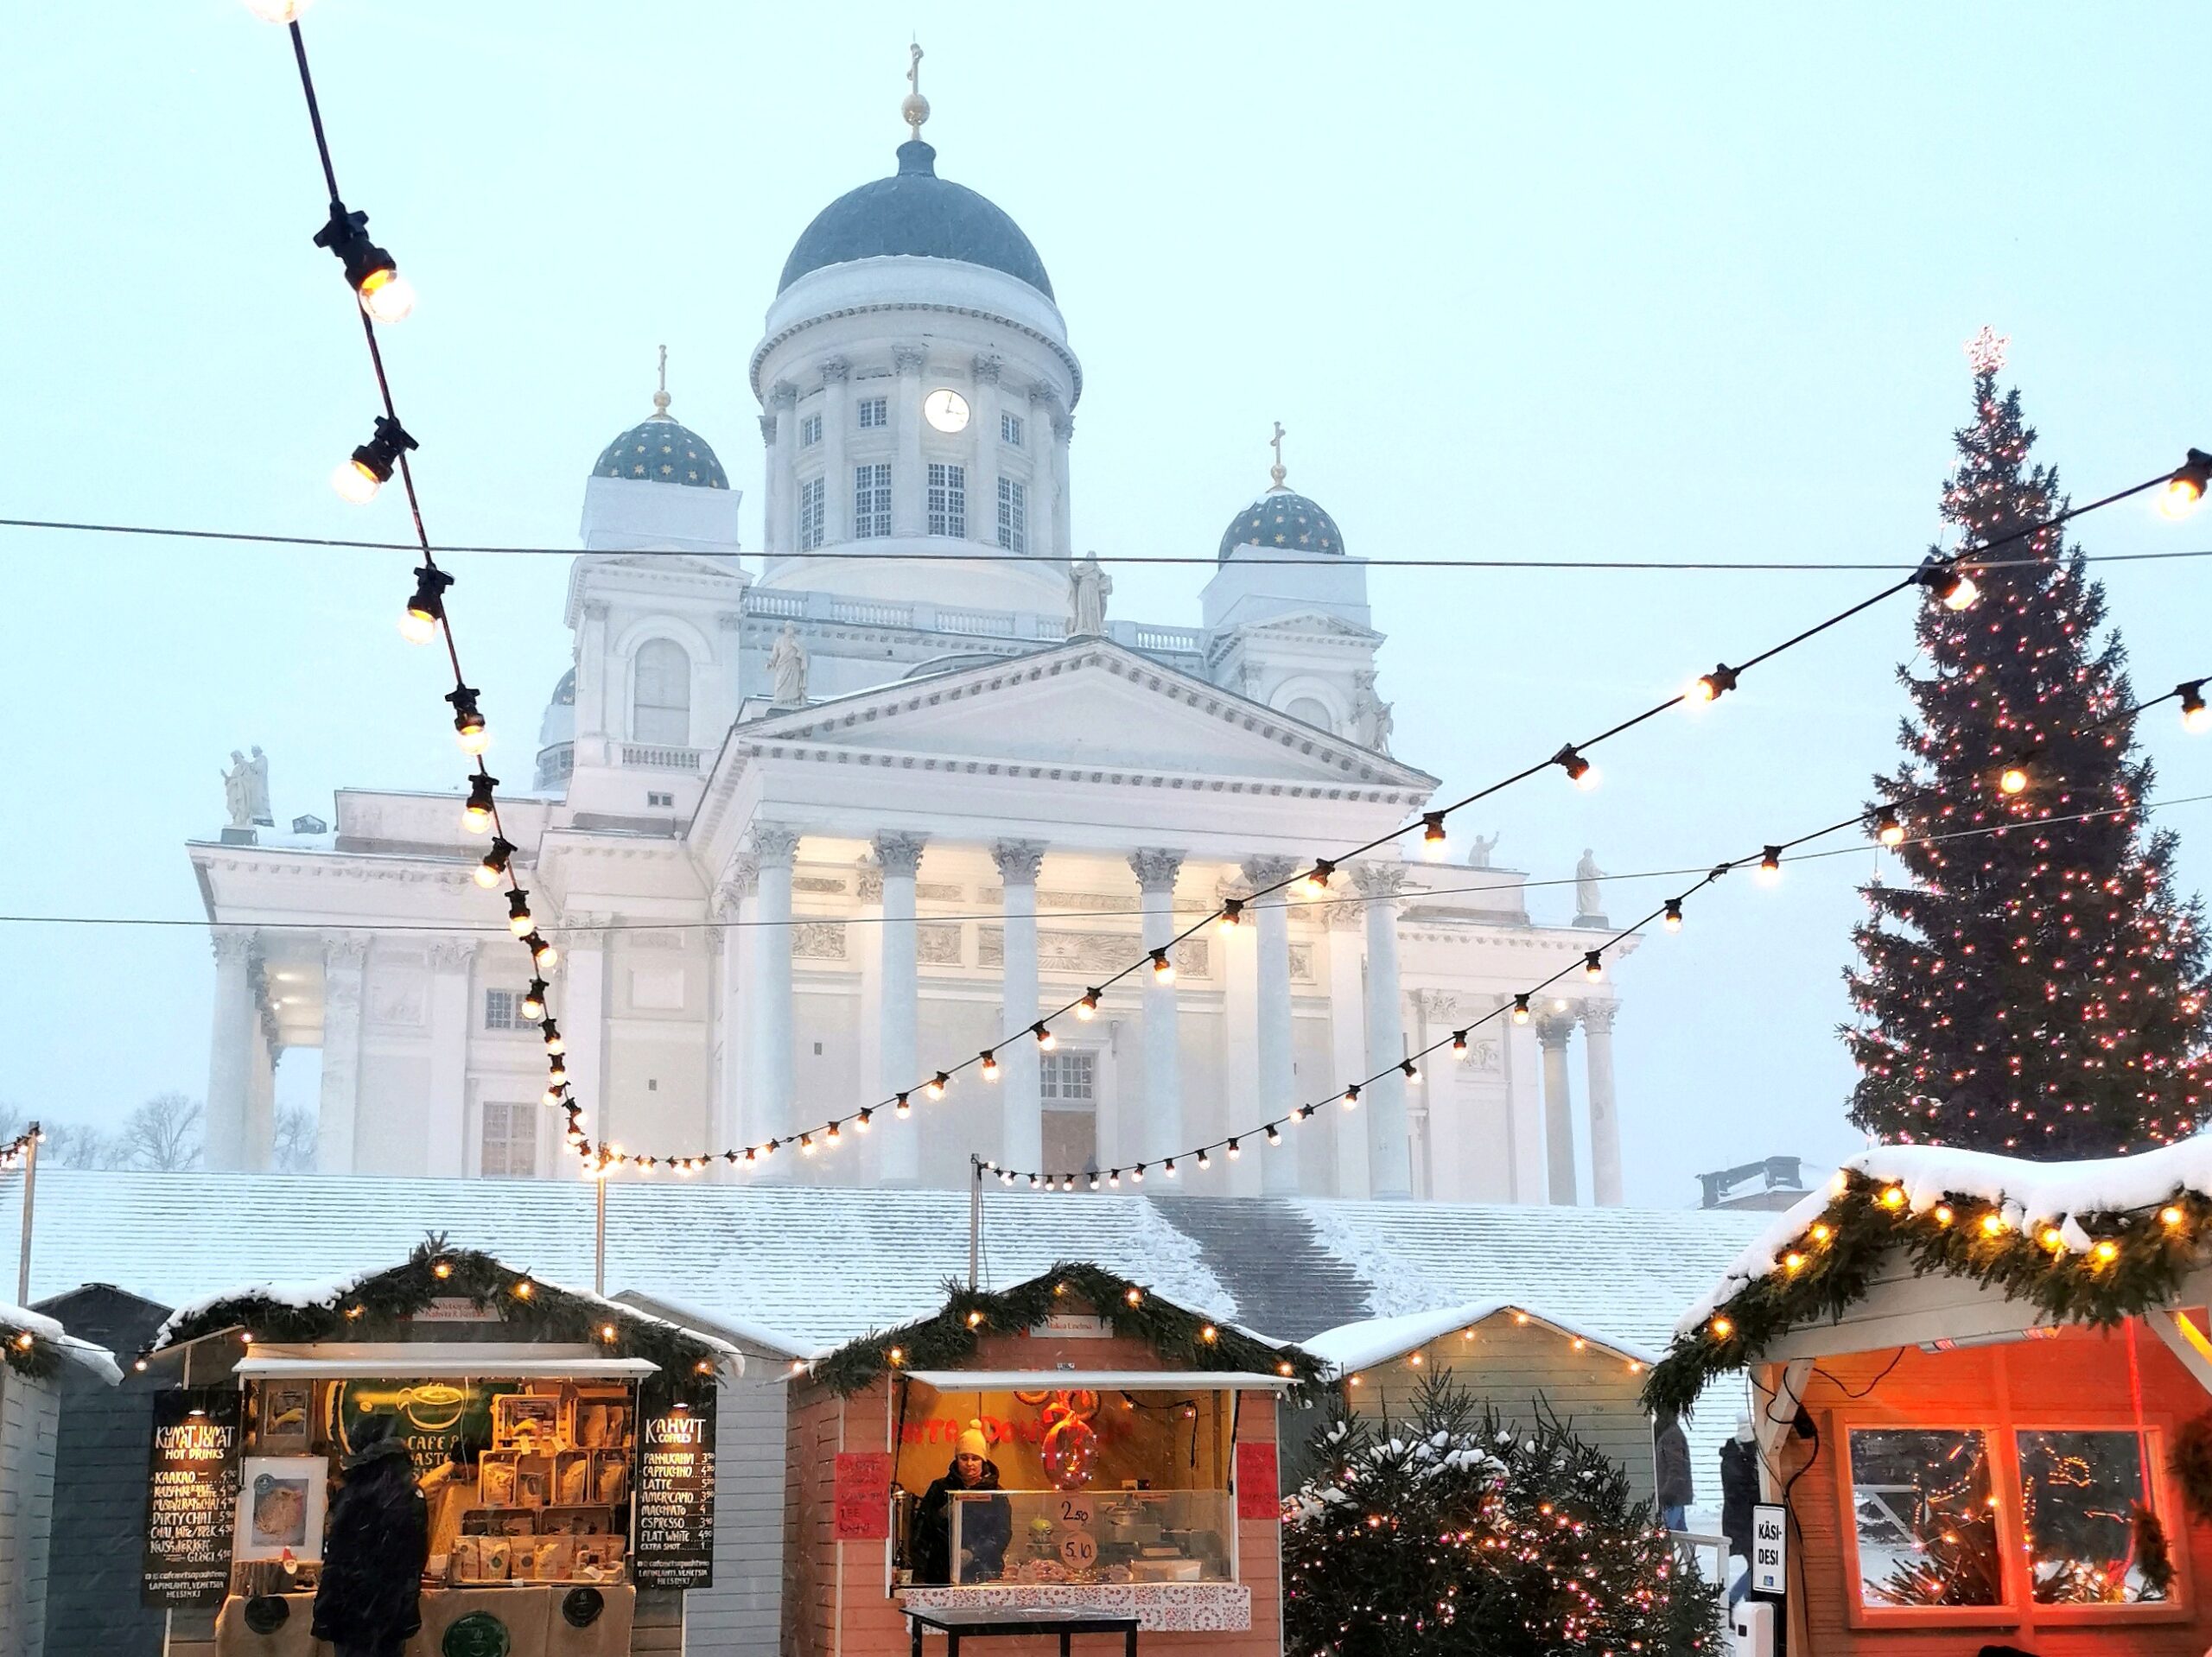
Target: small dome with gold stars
1283 521
662 449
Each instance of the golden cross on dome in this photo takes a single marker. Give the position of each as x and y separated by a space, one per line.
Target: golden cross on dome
1276 471
915 108
1986 351
660 396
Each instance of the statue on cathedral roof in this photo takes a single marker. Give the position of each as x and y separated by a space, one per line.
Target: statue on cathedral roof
1089 588
787 669
245 790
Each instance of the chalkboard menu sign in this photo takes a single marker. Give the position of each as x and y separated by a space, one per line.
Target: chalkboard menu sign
191 1493
674 1493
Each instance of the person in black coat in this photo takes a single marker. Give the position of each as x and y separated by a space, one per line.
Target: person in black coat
1739 1493
1670 1461
986 1527
370 1599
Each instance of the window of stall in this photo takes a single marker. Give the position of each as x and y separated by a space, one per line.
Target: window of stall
527 1480
1081 1485
1976 1524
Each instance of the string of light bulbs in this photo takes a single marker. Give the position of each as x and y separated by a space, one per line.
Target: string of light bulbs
1885 823
385 297
1945 580
993 554
16 1149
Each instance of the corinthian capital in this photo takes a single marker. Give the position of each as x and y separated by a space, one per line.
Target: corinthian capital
1018 861
783 395
986 369
835 369
909 359
1379 879
1262 872
1156 868
452 954
1554 1028
771 846
234 945
345 951
768 429
900 854
1597 1016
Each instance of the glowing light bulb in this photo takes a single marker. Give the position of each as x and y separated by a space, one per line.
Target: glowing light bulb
1521 1009
386 296
2195 716
1434 842
1351 1097
1459 1044
1889 828
476 815
2184 490
936 1085
518 919
533 999
1771 865
278 11
1593 966
990 1064
554 1041
1232 914
493 868
1580 771
2014 779
1163 969
355 482
1672 920
1087 1008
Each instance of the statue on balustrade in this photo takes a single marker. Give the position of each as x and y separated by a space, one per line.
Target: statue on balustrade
787 669
1089 588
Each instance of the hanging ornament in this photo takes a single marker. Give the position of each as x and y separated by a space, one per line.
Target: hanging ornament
1070 1442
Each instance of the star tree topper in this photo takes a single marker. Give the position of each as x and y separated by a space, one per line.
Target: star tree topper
1986 351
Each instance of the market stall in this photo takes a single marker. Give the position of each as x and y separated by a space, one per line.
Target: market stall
1119 1455
563 1444
1983 1404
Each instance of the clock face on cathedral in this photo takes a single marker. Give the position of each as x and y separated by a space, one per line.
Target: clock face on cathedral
947 410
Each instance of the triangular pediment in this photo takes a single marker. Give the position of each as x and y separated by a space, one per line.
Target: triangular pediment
1307 624
1090 705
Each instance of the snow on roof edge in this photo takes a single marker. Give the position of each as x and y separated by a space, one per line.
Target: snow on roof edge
97 1359
1370 1341
2036 1190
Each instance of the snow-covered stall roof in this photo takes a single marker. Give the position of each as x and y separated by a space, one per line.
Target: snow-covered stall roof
16 1322
1362 1345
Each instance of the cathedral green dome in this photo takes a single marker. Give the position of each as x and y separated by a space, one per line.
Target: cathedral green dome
662 449
916 213
1283 521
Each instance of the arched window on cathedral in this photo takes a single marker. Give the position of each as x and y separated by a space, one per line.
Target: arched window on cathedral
1311 710
662 707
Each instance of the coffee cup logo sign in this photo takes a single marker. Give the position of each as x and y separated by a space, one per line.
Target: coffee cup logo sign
478 1635
1769 1549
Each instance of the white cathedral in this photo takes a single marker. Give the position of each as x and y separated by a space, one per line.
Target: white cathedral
807 832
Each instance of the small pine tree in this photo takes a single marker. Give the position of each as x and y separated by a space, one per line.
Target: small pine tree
2036 990
1462 1535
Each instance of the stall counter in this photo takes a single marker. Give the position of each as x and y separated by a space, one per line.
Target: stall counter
1159 1607
532 1615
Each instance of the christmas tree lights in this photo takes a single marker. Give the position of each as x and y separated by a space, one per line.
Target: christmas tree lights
2040 990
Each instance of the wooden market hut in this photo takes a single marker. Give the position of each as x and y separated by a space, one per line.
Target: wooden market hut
1134 1439
37 1358
1971 1375
503 1385
1514 1359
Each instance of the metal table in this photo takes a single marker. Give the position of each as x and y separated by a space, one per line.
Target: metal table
983 1622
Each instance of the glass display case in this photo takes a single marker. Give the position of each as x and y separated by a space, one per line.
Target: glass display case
1133 1535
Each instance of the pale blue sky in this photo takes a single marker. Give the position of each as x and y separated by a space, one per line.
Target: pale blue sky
1603 282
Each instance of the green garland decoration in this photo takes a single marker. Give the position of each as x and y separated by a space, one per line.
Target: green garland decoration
378 1308
2137 1260
2190 1462
949 1338
2154 1560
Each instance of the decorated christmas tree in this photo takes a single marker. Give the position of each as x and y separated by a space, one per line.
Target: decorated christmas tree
1461 1533
2036 990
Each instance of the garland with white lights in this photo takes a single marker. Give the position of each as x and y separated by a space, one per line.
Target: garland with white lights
13 1153
2098 1268
949 1338
382 1305
385 297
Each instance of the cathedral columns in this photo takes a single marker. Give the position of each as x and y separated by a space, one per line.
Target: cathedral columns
900 857
984 492
837 477
345 962
1524 1110
1606 1188
1552 1031
769 1086
1063 528
909 499
776 497
1389 1145
732 907
1274 1056
261 1093
1346 1154
1045 537
1155 869
446 1154
1021 1136
231 1057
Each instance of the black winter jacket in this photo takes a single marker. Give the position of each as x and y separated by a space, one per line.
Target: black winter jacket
1670 1460
372 1559
1739 1493
986 1527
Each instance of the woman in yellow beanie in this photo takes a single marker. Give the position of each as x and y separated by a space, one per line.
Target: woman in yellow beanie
985 1526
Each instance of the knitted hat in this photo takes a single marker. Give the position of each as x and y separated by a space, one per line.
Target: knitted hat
972 1443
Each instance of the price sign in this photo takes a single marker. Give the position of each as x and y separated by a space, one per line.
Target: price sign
675 1491
863 1496
191 1486
1078 1550
1077 1513
1769 1550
